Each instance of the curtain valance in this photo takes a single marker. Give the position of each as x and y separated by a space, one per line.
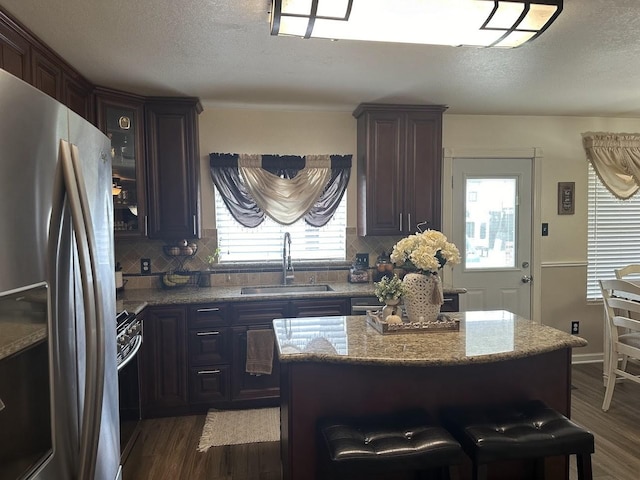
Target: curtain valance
283 187
616 159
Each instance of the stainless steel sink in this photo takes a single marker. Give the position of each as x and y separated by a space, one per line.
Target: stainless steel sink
285 289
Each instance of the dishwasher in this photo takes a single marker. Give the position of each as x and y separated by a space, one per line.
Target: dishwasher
360 305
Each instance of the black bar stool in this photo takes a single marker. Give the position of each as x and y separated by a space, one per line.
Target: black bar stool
379 445
530 430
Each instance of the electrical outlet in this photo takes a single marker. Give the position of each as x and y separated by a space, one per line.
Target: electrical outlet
145 266
575 328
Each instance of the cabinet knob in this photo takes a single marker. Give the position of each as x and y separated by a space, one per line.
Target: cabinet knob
208 372
205 334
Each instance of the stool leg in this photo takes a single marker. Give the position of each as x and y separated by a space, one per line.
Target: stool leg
479 471
437 473
584 466
538 469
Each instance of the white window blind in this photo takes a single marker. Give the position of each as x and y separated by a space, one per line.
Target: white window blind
264 243
613 237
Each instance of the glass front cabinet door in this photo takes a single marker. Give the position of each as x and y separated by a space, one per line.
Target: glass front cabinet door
120 117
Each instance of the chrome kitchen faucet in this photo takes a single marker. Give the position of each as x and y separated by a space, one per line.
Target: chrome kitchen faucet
287 267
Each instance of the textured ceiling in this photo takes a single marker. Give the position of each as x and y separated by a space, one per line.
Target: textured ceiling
587 63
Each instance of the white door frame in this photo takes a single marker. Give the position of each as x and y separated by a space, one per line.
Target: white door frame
536 155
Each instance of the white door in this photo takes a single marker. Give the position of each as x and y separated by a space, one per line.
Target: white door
492 211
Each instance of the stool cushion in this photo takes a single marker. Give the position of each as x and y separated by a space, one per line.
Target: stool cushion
389 443
527 430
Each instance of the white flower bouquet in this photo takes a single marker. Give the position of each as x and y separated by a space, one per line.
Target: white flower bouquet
425 252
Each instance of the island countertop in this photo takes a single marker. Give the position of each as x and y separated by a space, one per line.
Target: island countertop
484 336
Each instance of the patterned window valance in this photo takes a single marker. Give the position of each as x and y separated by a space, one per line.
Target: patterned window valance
286 188
616 159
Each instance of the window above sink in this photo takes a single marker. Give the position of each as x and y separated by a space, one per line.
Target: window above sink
264 243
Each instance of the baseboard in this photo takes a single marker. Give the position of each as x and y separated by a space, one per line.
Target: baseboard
587 358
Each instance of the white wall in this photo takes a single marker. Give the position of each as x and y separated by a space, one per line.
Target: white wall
563 252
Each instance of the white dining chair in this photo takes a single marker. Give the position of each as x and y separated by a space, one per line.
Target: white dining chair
629 272
621 299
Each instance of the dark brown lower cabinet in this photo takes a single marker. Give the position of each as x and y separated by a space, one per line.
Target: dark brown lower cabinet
163 373
247 386
194 357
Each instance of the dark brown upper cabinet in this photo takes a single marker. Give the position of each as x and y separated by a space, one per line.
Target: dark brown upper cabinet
46 75
174 167
77 94
399 149
15 50
25 56
121 117
154 154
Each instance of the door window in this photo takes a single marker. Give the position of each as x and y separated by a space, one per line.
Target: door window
490 210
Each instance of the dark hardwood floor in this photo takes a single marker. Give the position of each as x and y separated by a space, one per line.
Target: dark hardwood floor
617 431
169 445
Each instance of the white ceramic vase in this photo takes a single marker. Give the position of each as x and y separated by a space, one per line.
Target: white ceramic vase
419 294
390 308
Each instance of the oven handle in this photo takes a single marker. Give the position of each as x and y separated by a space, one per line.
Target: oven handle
136 346
364 308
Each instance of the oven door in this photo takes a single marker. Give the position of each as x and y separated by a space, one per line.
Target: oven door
129 400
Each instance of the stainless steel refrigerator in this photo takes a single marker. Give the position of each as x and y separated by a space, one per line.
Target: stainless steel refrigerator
58 377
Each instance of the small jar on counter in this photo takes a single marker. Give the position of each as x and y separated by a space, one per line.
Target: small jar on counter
384 267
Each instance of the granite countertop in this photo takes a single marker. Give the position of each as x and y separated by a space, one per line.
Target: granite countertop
15 336
484 337
136 299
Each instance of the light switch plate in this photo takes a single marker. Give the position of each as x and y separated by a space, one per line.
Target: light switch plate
545 229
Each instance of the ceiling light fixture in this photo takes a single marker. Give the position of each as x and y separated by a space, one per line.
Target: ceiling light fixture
479 23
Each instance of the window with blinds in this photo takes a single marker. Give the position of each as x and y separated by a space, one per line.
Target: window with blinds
613 236
264 243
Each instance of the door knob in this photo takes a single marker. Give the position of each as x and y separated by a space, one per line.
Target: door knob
527 279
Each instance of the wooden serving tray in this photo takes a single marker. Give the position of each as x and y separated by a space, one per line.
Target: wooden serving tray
446 322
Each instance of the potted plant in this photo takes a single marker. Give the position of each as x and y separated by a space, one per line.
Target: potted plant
389 291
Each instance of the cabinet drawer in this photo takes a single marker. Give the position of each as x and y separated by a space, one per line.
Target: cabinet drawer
209 384
320 307
209 346
260 313
208 315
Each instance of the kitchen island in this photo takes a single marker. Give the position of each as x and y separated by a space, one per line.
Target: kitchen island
340 366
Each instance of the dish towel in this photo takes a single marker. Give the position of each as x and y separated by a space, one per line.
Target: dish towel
260 344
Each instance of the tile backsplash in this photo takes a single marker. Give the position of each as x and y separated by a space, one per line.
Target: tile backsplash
130 251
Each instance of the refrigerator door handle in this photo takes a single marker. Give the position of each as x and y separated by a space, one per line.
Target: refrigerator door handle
92 299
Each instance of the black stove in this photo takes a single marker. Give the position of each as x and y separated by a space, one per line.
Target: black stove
128 337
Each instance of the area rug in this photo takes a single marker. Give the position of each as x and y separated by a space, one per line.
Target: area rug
235 427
